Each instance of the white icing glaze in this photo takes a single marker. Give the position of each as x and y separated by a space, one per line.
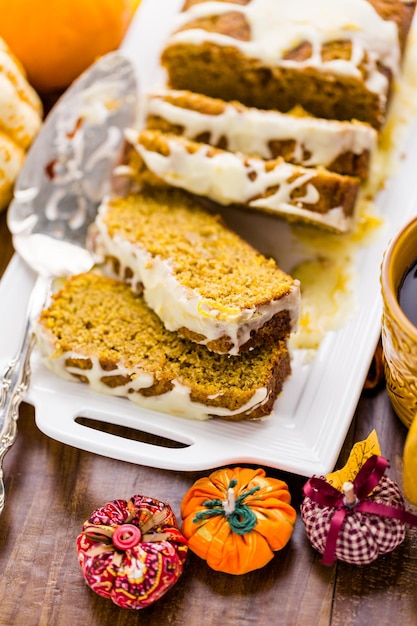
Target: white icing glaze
85 145
278 26
177 401
224 178
181 307
76 161
317 141
335 218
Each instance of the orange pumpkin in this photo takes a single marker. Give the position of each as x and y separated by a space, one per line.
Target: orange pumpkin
235 519
56 40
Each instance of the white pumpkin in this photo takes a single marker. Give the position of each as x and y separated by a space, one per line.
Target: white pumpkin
20 119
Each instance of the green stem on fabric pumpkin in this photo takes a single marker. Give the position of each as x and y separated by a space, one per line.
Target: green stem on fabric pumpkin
240 516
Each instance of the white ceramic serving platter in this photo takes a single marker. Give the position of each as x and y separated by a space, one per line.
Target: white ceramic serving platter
310 420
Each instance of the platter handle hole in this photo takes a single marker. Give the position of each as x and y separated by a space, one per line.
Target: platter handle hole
130 433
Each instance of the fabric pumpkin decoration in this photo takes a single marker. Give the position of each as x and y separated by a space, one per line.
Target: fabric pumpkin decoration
360 522
132 551
235 519
20 119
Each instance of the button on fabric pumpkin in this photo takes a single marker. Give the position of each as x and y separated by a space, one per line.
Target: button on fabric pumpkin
20 120
132 551
236 519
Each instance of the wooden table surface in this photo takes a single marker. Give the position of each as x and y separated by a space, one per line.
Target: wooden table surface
52 488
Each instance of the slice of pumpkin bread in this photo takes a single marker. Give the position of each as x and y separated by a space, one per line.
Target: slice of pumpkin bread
98 331
277 187
345 147
200 277
338 60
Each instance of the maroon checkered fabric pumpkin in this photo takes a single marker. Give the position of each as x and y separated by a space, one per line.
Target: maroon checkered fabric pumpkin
361 522
132 551
362 536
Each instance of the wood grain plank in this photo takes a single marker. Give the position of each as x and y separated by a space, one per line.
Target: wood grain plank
6 248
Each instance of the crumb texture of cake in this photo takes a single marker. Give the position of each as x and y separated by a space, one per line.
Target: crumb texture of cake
341 146
197 275
336 59
315 195
96 330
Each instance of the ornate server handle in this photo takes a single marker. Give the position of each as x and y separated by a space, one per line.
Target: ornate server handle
15 381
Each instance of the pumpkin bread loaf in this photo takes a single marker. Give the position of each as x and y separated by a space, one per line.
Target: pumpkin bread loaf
199 277
314 195
338 60
344 147
98 331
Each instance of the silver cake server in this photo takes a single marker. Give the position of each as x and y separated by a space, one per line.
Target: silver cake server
68 170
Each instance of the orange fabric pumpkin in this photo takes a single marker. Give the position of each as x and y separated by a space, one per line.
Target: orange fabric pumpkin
236 519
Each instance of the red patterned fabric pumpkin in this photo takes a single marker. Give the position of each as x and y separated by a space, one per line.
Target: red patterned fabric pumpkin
132 551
